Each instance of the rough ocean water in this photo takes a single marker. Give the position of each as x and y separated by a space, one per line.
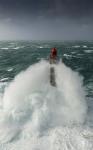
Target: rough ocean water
35 115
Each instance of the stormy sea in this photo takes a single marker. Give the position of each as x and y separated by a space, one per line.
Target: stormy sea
34 115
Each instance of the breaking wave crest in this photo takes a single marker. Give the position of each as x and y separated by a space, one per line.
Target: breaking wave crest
34 111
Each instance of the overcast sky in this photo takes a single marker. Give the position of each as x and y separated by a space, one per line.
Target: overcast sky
46 19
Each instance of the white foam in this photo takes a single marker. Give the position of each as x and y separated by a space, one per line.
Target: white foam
71 86
67 56
76 46
18 47
41 47
58 138
88 51
84 46
9 69
3 80
36 115
5 48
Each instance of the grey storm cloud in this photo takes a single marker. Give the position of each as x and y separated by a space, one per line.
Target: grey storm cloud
46 19
47 7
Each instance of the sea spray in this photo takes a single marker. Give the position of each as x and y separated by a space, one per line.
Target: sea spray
31 102
70 85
